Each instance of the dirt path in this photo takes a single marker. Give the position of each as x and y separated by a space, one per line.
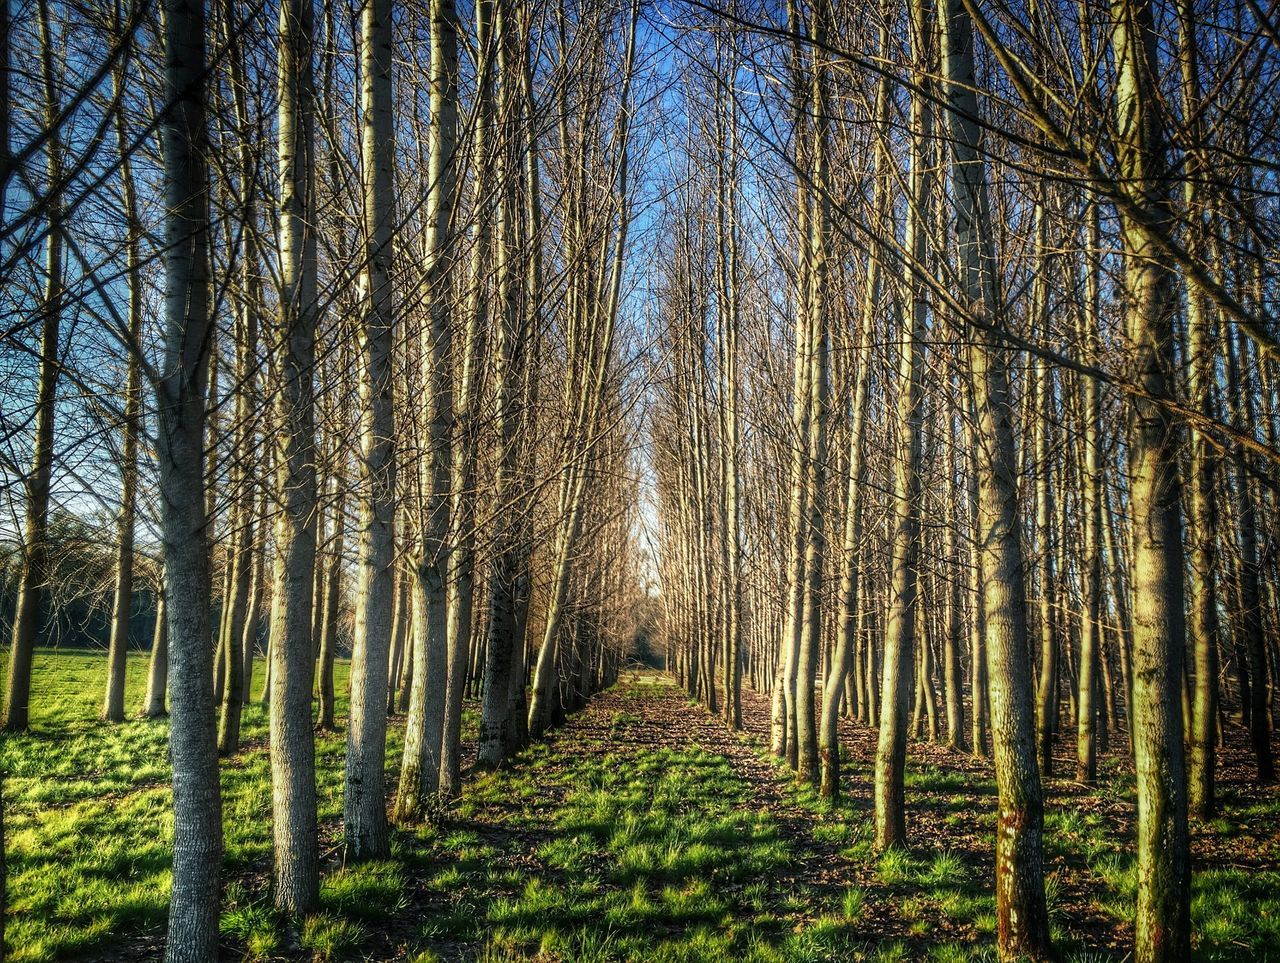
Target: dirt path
827 852
643 823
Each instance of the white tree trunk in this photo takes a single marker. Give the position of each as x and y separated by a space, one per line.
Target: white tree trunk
180 412
419 771
364 812
297 871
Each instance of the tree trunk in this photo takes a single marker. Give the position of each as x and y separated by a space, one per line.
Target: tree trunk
461 578
153 705
419 771
1044 405
842 659
1163 919
504 644
816 462
953 644
117 653
329 624
409 629
398 655
726 127
232 646
252 617
242 561
364 810
897 684
297 872
784 741
1252 627
1091 641
1021 915
35 560
1124 628
180 436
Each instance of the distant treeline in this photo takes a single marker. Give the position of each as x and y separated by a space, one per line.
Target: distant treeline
75 611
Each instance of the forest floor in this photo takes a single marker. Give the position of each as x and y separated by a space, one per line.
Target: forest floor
641 830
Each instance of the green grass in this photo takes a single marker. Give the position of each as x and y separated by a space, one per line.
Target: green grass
943 900
654 853
595 847
88 823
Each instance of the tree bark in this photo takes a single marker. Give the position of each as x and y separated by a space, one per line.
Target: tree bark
328 602
461 573
1047 701
819 387
153 706
419 771
364 810
726 127
897 682
1091 641
784 740
842 659
296 871
122 606
1252 627
953 676
180 416
1021 914
1163 918
242 564
504 643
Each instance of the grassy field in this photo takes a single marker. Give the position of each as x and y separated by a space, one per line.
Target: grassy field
88 828
643 830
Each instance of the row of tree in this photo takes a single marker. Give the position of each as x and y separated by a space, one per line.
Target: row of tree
983 292
325 300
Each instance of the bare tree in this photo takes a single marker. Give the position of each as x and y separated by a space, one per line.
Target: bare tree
419 771
180 436
1023 924
297 870
27 615
364 801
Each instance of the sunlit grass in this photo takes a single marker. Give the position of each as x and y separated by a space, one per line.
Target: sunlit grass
88 818
594 847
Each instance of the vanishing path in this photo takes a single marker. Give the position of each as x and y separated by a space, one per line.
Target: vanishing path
645 829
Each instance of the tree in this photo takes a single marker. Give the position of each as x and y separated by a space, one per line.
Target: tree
180 417
901 621
1164 872
1091 641
31 587
816 312
293 787
729 311
1022 918
503 709
785 739
364 801
850 596
462 537
419 771
113 700
1202 509
238 621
